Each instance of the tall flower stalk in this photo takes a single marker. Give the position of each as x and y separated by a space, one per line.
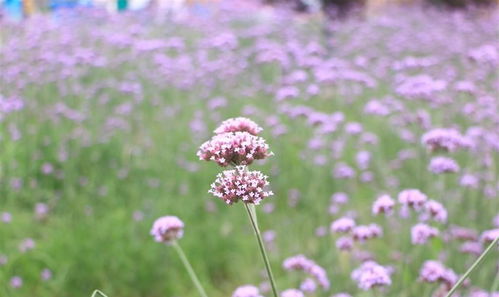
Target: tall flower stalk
473 266
250 209
189 269
168 230
236 144
98 293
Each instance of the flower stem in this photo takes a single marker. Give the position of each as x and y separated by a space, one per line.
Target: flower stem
252 216
188 266
97 292
473 267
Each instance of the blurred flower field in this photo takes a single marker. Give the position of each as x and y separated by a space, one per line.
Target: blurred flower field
380 140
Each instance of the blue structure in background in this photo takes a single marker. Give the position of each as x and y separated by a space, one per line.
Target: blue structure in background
13 9
62 4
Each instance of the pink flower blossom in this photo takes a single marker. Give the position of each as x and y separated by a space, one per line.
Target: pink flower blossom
238 148
370 275
167 229
240 184
239 124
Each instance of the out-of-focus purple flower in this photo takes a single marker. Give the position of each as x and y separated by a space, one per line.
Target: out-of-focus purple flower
292 293
41 211
342 295
471 247
344 243
339 198
439 165
420 86
447 140
302 263
46 274
138 216
363 158
247 291
461 233
3 260
362 233
239 124
16 282
353 128
375 107
420 233
490 235
287 92
436 211
343 171
485 54
342 225
47 168
238 148
383 204
308 285
469 181
370 275
6 217
434 271
240 184
412 198
26 245
167 229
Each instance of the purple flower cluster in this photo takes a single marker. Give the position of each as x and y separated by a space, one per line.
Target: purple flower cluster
439 165
302 263
447 140
241 184
240 124
434 271
167 229
247 291
237 148
370 275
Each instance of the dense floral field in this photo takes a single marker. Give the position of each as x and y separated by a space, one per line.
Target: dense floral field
369 155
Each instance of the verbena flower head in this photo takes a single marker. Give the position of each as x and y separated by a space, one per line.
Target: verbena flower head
247 291
436 211
344 243
167 229
434 271
384 204
239 124
292 293
370 274
439 165
490 235
240 184
420 233
308 285
16 282
447 140
302 263
362 233
342 225
412 198
238 148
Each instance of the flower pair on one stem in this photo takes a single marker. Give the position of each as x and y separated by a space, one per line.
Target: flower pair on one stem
235 143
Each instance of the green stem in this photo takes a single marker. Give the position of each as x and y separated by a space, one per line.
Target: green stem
188 266
254 224
98 292
473 266
495 284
